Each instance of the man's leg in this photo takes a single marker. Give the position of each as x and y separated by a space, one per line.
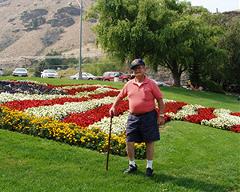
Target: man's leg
149 152
130 152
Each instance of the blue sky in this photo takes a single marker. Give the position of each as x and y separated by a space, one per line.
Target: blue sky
222 5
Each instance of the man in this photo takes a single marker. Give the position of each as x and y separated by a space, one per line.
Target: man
143 120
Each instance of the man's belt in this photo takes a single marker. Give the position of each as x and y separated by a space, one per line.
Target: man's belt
139 114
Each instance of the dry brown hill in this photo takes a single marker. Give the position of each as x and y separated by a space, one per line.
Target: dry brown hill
35 27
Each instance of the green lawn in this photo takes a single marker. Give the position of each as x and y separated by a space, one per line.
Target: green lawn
62 81
189 157
207 99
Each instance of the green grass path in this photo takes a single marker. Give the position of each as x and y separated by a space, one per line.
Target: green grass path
189 157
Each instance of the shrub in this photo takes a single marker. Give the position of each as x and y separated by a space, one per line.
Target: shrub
212 86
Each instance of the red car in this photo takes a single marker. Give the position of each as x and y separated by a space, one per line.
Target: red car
110 75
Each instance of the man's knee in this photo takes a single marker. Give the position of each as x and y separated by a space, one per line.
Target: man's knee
130 144
149 143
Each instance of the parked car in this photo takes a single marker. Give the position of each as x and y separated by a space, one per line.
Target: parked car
21 72
49 73
110 75
86 76
161 83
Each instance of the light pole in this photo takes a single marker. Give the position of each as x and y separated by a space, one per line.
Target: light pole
80 38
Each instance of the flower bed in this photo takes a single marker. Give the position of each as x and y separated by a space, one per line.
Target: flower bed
25 104
78 114
64 132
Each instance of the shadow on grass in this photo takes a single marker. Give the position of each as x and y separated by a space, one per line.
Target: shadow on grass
185 182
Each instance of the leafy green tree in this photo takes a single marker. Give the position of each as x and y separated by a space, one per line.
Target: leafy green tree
39 68
125 27
175 47
54 63
164 32
70 62
225 73
208 58
231 42
186 42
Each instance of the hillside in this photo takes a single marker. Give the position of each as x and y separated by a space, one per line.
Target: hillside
34 28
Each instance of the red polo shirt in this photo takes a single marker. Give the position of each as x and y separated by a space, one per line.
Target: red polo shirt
141 96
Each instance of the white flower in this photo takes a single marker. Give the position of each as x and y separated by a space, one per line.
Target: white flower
6 97
185 111
97 91
221 112
59 111
223 120
118 123
168 100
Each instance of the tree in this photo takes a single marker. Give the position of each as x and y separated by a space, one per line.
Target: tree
176 46
54 63
231 42
226 71
125 27
185 42
208 58
164 32
39 68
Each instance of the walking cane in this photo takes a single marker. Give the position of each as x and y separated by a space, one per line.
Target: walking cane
109 139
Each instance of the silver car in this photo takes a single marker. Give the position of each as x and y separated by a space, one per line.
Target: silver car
21 72
49 73
85 75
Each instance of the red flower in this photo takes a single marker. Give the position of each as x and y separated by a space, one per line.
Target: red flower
102 95
173 106
235 128
73 91
25 104
235 114
89 117
167 118
203 114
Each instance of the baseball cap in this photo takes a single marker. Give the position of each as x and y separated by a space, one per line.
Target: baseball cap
136 62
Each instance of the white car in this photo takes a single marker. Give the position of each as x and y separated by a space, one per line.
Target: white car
21 72
160 83
87 76
49 73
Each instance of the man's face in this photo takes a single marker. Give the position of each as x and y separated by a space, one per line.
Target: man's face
139 70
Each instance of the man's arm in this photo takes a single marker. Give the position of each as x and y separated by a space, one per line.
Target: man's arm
112 110
161 107
121 95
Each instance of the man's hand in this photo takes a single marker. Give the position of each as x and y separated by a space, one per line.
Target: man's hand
112 111
161 120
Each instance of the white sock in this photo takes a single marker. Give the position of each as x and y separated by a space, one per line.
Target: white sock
132 163
149 163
